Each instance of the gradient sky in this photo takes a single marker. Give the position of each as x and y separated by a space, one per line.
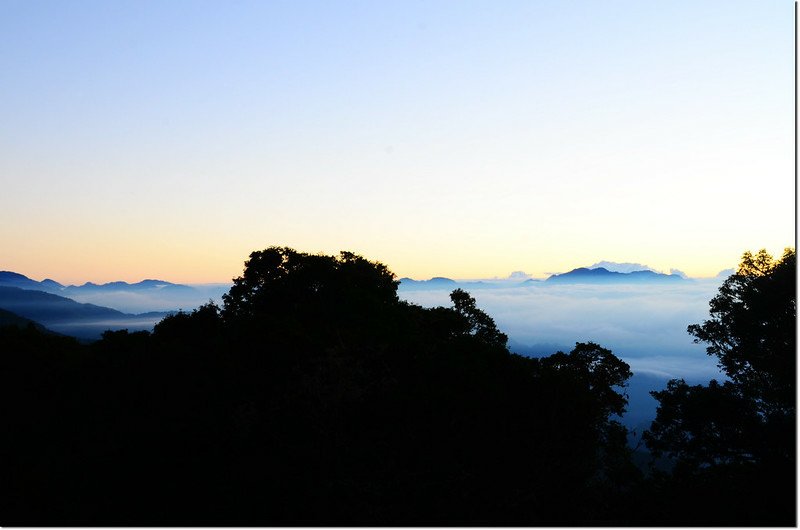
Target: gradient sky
458 138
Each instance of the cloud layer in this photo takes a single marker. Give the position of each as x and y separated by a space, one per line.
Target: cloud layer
645 325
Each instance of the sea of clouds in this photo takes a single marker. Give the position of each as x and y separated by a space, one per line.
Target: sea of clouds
154 299
645 325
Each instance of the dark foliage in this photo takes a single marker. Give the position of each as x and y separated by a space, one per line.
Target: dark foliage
737 438
314 396
753 328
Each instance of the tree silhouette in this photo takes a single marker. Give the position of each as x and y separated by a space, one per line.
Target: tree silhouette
480 324
599 370
280 280
314 396
738 437
752 330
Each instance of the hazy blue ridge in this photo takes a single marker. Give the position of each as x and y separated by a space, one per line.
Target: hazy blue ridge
41 306
433 283
69 317
15 279
602 275
7 318
132 298
144 285
440 283
581 275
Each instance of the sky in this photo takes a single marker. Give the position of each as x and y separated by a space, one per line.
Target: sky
148 139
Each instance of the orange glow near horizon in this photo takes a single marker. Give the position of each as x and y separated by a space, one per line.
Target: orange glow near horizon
649 139
198 266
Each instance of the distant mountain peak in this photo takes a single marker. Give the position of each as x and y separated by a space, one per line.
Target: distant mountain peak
125 286
15 279
11 274
437 282
603 275
435 279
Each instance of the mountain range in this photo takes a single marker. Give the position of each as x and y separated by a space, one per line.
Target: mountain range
140 297
64 315
605 276
15 279
581 275
86 310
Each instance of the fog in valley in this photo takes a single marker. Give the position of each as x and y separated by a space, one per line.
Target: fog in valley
645 325
186 298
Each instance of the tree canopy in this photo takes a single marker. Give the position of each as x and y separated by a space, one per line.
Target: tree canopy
313 396
753 327
738 437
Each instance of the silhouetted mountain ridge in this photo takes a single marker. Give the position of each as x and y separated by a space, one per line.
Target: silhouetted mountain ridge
598 275
434 283
15 279
67 316
602 275
133 298
7 318
144 285
38 305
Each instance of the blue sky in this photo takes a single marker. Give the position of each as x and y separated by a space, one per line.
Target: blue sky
463 139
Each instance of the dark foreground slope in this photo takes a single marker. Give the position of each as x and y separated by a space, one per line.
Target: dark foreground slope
7 318
315 396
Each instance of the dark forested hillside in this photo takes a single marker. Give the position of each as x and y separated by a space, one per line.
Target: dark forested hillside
314 396
7 318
